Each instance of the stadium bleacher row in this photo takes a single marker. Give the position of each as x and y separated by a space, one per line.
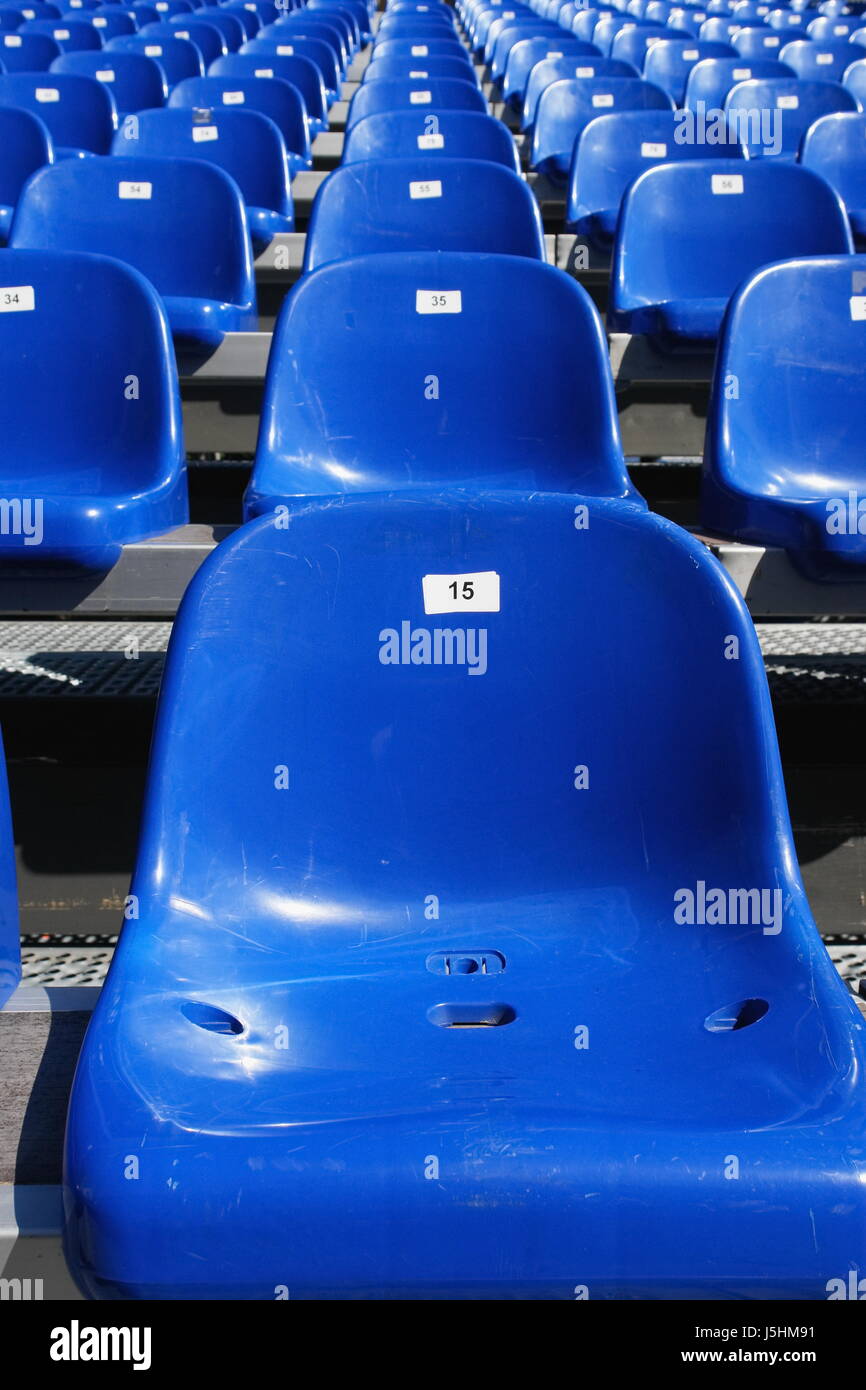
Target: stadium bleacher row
428 795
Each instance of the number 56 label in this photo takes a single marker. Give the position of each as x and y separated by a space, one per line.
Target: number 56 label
461 593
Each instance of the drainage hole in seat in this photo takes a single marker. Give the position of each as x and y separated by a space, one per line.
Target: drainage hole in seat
211 1019
471 1015
735 1016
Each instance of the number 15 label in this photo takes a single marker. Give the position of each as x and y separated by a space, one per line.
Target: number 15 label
461 593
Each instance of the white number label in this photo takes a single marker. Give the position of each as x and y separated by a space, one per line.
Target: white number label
772 42
61 33
431 189
17 299
12 41
584 72
420 98
105 75
603 99
201 133
461 593
143 191
419 50
431 142
823 58
438 302
727 183
263 72
788 103
233 98
690 54
858 308
153 50
47 94
285 50
742 74
415 76
650 151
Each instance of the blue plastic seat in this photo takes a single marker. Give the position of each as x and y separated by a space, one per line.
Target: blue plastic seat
614 150
178 58
290 46
244 143
712 79
424 48
209 41
690 233
273 97
295 1030
771 115
323 429
112 20
758 41
37 9
720 28
583 68
829 28
79 111
301 73
410 69
787 20
135 82
25 146
300 25
181 222
784 460
670 61
94 434
459 135
27 52
525 54
422 204
835 147
633 44
823 62
503 37
607 28
229 25
248 19
750 12
428 96
70 35
687 21
567 107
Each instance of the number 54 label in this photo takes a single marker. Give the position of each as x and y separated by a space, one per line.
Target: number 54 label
461 593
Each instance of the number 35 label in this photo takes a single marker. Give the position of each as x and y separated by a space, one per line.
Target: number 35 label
461 593
438 302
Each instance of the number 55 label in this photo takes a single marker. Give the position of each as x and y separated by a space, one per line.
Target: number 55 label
461 593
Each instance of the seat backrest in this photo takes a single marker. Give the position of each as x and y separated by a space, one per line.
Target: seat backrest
826 62
632 44
228 25
291 46
712 79
524 55
209 41
70 35
613 151
669 62
78 111
771 115
323 426
459 135
25 146
433 95
271 96
300 72
423 48
835 147
567 107
90 323
135 82
181 222
583 68
854 81
422 204
112 20
725 220
758 41
787 20
607 28
28 52
510 33
827 28
794 340
178 58
411 69
246 144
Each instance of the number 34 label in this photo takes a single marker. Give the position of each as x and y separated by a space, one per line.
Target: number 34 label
461 593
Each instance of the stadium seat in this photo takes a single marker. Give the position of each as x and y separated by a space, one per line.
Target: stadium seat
567 107
209 41
825 62
784 460
460 135
229 25
301 73
614 150
10 949
752 107
323 429
273 97
422 204
27 52
399 869
411 69
632 45
835 148
711 80
134 81
298 26
760 41
181 222
25 146
315 50
503 37
828 28
111 21
607 28
70 35
178 58
94 434
854 82
690 233
36 9
244 143
787 20
525 54
433 96
425 48
669 62
551 70
79 111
